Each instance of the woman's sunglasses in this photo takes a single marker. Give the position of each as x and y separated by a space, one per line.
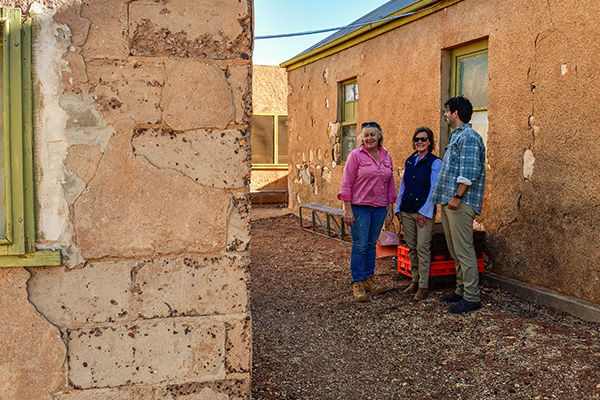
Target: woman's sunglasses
420 139
371 125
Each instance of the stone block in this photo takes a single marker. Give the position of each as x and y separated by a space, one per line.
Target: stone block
238 228
214 158
238 345
128 89
189 286
147 353
194 28
99 394
98 292
196 95
107 36
148 210
239 78
32 354
238 389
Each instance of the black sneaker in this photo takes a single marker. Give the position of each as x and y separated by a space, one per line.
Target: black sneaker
464 306
451 298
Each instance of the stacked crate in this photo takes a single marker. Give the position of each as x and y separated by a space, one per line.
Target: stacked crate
442 264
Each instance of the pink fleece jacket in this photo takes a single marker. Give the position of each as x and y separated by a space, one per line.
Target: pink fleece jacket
366 183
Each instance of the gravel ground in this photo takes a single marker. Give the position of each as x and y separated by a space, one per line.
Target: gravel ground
312 341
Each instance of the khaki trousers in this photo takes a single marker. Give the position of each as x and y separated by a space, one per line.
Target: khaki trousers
419 247
458 229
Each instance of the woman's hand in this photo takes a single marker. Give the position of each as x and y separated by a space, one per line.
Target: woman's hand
389 216
349 217
421 219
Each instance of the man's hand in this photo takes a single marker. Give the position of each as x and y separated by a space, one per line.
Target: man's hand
421 219
454 203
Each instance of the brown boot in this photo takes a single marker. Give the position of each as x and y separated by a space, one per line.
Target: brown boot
421 294
412 288
373 287
358 291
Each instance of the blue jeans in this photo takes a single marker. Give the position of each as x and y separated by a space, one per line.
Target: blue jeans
368 222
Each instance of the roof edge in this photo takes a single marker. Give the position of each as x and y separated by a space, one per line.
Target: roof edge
365 33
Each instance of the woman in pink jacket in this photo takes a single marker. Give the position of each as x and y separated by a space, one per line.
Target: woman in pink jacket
369 193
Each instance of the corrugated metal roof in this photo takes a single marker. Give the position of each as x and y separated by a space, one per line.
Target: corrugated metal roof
385 10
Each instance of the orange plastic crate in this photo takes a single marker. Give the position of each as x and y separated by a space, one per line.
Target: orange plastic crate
437 268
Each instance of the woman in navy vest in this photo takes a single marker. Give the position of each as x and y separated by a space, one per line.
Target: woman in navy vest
414 211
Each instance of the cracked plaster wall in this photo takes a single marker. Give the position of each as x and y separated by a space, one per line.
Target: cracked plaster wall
142 173
542 150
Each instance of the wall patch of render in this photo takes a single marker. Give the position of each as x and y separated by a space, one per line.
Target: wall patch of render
305 176
528 162
57 188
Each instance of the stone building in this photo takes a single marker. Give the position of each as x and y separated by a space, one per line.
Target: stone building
126 168
269 132
530 69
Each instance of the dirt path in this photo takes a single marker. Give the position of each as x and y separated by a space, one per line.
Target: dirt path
311 341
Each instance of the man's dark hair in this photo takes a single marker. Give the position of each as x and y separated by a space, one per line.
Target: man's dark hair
462 105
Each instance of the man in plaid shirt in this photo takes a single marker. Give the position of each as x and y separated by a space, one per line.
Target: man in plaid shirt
459 190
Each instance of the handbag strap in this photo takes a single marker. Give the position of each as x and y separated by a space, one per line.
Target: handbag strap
385 227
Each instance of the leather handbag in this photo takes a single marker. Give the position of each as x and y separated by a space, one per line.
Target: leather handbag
387 238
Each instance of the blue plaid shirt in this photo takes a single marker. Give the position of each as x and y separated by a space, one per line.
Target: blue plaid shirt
464 162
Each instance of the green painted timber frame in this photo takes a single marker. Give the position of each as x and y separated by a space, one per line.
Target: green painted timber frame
17 249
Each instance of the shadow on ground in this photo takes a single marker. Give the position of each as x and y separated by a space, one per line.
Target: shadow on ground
312 341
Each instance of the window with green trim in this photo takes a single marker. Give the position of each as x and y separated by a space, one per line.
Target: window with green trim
348 103
470 79
17 213
269 141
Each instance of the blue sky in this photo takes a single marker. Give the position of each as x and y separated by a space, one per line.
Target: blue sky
290 16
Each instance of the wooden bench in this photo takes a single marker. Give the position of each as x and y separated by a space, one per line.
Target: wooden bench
260 193
331 228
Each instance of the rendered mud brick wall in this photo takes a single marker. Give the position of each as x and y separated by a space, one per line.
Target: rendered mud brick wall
269 96
142 161
541 209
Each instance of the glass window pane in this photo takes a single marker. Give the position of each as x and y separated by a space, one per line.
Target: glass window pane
350 92
282 140
348 140
262 139
473 79
479 120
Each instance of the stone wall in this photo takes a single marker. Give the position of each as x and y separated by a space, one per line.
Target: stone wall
541 204
142 149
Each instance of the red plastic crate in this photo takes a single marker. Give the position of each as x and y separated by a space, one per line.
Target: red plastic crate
437 268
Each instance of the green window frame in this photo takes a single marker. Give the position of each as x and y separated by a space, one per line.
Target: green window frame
348 111
469 77
17 242
279 141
